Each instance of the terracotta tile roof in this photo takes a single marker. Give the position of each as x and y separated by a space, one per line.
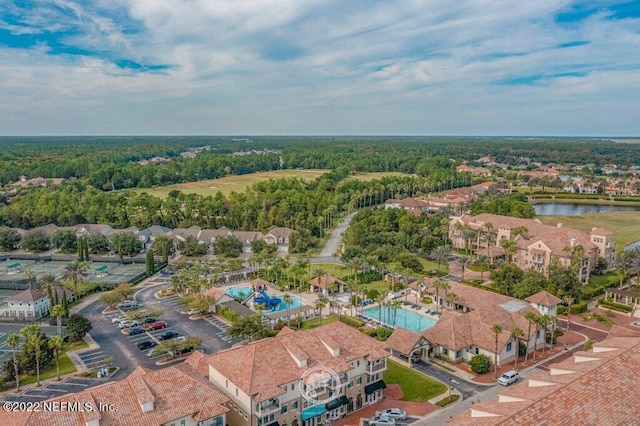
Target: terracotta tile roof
602 231
215 292
325 281
596 388
260 368
544 298
457 331
176 392
29 295
259 282
403 340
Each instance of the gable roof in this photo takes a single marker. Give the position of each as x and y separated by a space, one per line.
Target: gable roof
280 232
155 229
403 340
260 368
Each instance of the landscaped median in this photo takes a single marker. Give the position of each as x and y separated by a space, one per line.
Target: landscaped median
415 386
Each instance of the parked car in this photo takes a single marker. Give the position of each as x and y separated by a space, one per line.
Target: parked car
136 330
128 304
183 351
168 335
194 312
153 352
509 377
394 413
166 272
128 324
118 319
157 325
147 344
149 320
381 421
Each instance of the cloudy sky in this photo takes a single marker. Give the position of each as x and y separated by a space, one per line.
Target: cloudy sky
403 67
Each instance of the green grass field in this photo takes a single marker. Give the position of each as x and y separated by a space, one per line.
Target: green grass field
625 225
66 367
238 183
415 386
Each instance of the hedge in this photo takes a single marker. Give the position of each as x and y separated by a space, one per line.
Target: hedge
576 308
350 321
608 303
448 400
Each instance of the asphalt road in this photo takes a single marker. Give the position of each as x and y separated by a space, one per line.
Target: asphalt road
467 389
334 241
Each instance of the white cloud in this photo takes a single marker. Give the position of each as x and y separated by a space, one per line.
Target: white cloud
297 67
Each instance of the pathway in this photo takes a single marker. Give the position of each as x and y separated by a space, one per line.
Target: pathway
335 240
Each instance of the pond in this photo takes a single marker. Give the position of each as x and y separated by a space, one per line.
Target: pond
568 209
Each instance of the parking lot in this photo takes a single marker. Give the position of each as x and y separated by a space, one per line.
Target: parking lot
53 390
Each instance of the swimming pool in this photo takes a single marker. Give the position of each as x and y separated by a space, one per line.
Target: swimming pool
236 292
297 302
403 318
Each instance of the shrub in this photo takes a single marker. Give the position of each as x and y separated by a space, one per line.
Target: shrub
480 364
427 300
609 303
577 308
448 400
352 322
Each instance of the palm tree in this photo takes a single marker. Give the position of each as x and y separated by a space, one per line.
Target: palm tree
482 259
48 281
446 287
56 343
441 253
531 317
320 304
73 271
544 320
395 305
451 298
624 263
58 311
569 301
29 274
537 320
33 341
509 246
463 261
517 334
497 329
14 340
318 273
553 321
288 301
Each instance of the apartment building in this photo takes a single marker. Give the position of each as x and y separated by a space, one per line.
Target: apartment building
298 378
535 244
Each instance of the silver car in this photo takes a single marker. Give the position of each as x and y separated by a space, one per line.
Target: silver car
394 413
382 421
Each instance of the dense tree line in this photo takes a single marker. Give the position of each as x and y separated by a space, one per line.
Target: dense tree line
111 162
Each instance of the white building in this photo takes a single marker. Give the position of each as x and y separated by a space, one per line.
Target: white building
28 304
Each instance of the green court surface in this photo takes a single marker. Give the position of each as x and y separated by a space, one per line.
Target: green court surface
104 274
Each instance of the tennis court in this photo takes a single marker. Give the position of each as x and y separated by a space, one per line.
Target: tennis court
100 273
6 351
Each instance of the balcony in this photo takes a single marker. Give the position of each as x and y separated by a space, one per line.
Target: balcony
376 368
266 407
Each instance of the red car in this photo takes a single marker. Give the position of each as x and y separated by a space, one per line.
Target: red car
157 325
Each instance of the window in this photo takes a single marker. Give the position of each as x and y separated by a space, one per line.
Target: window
445 351
294 405
477 350
283 409
359 381
458 354
182 423
350 385
293 386
509 346
237 392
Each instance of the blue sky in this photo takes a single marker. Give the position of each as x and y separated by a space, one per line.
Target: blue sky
425 67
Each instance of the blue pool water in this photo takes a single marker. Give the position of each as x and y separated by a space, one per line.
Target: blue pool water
297 302
403 318
236 291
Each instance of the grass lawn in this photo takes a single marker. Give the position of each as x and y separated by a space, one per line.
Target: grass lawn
229 184
366 177
625 225
610 279
415 386
335 269
430 265
315 322
66 367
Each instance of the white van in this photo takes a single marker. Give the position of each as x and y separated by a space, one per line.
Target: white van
509 377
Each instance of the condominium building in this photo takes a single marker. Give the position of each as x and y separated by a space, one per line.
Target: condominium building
298 378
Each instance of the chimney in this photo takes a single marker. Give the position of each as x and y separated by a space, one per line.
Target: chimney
573 242
559 225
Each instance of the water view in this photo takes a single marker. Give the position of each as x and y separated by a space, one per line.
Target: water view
568 209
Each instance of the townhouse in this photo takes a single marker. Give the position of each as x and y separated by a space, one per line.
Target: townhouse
298 378
172 396
535 244
594 387
465 328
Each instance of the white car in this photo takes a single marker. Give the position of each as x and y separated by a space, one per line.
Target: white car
128 324
381 421
394 413
117 320
194 312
